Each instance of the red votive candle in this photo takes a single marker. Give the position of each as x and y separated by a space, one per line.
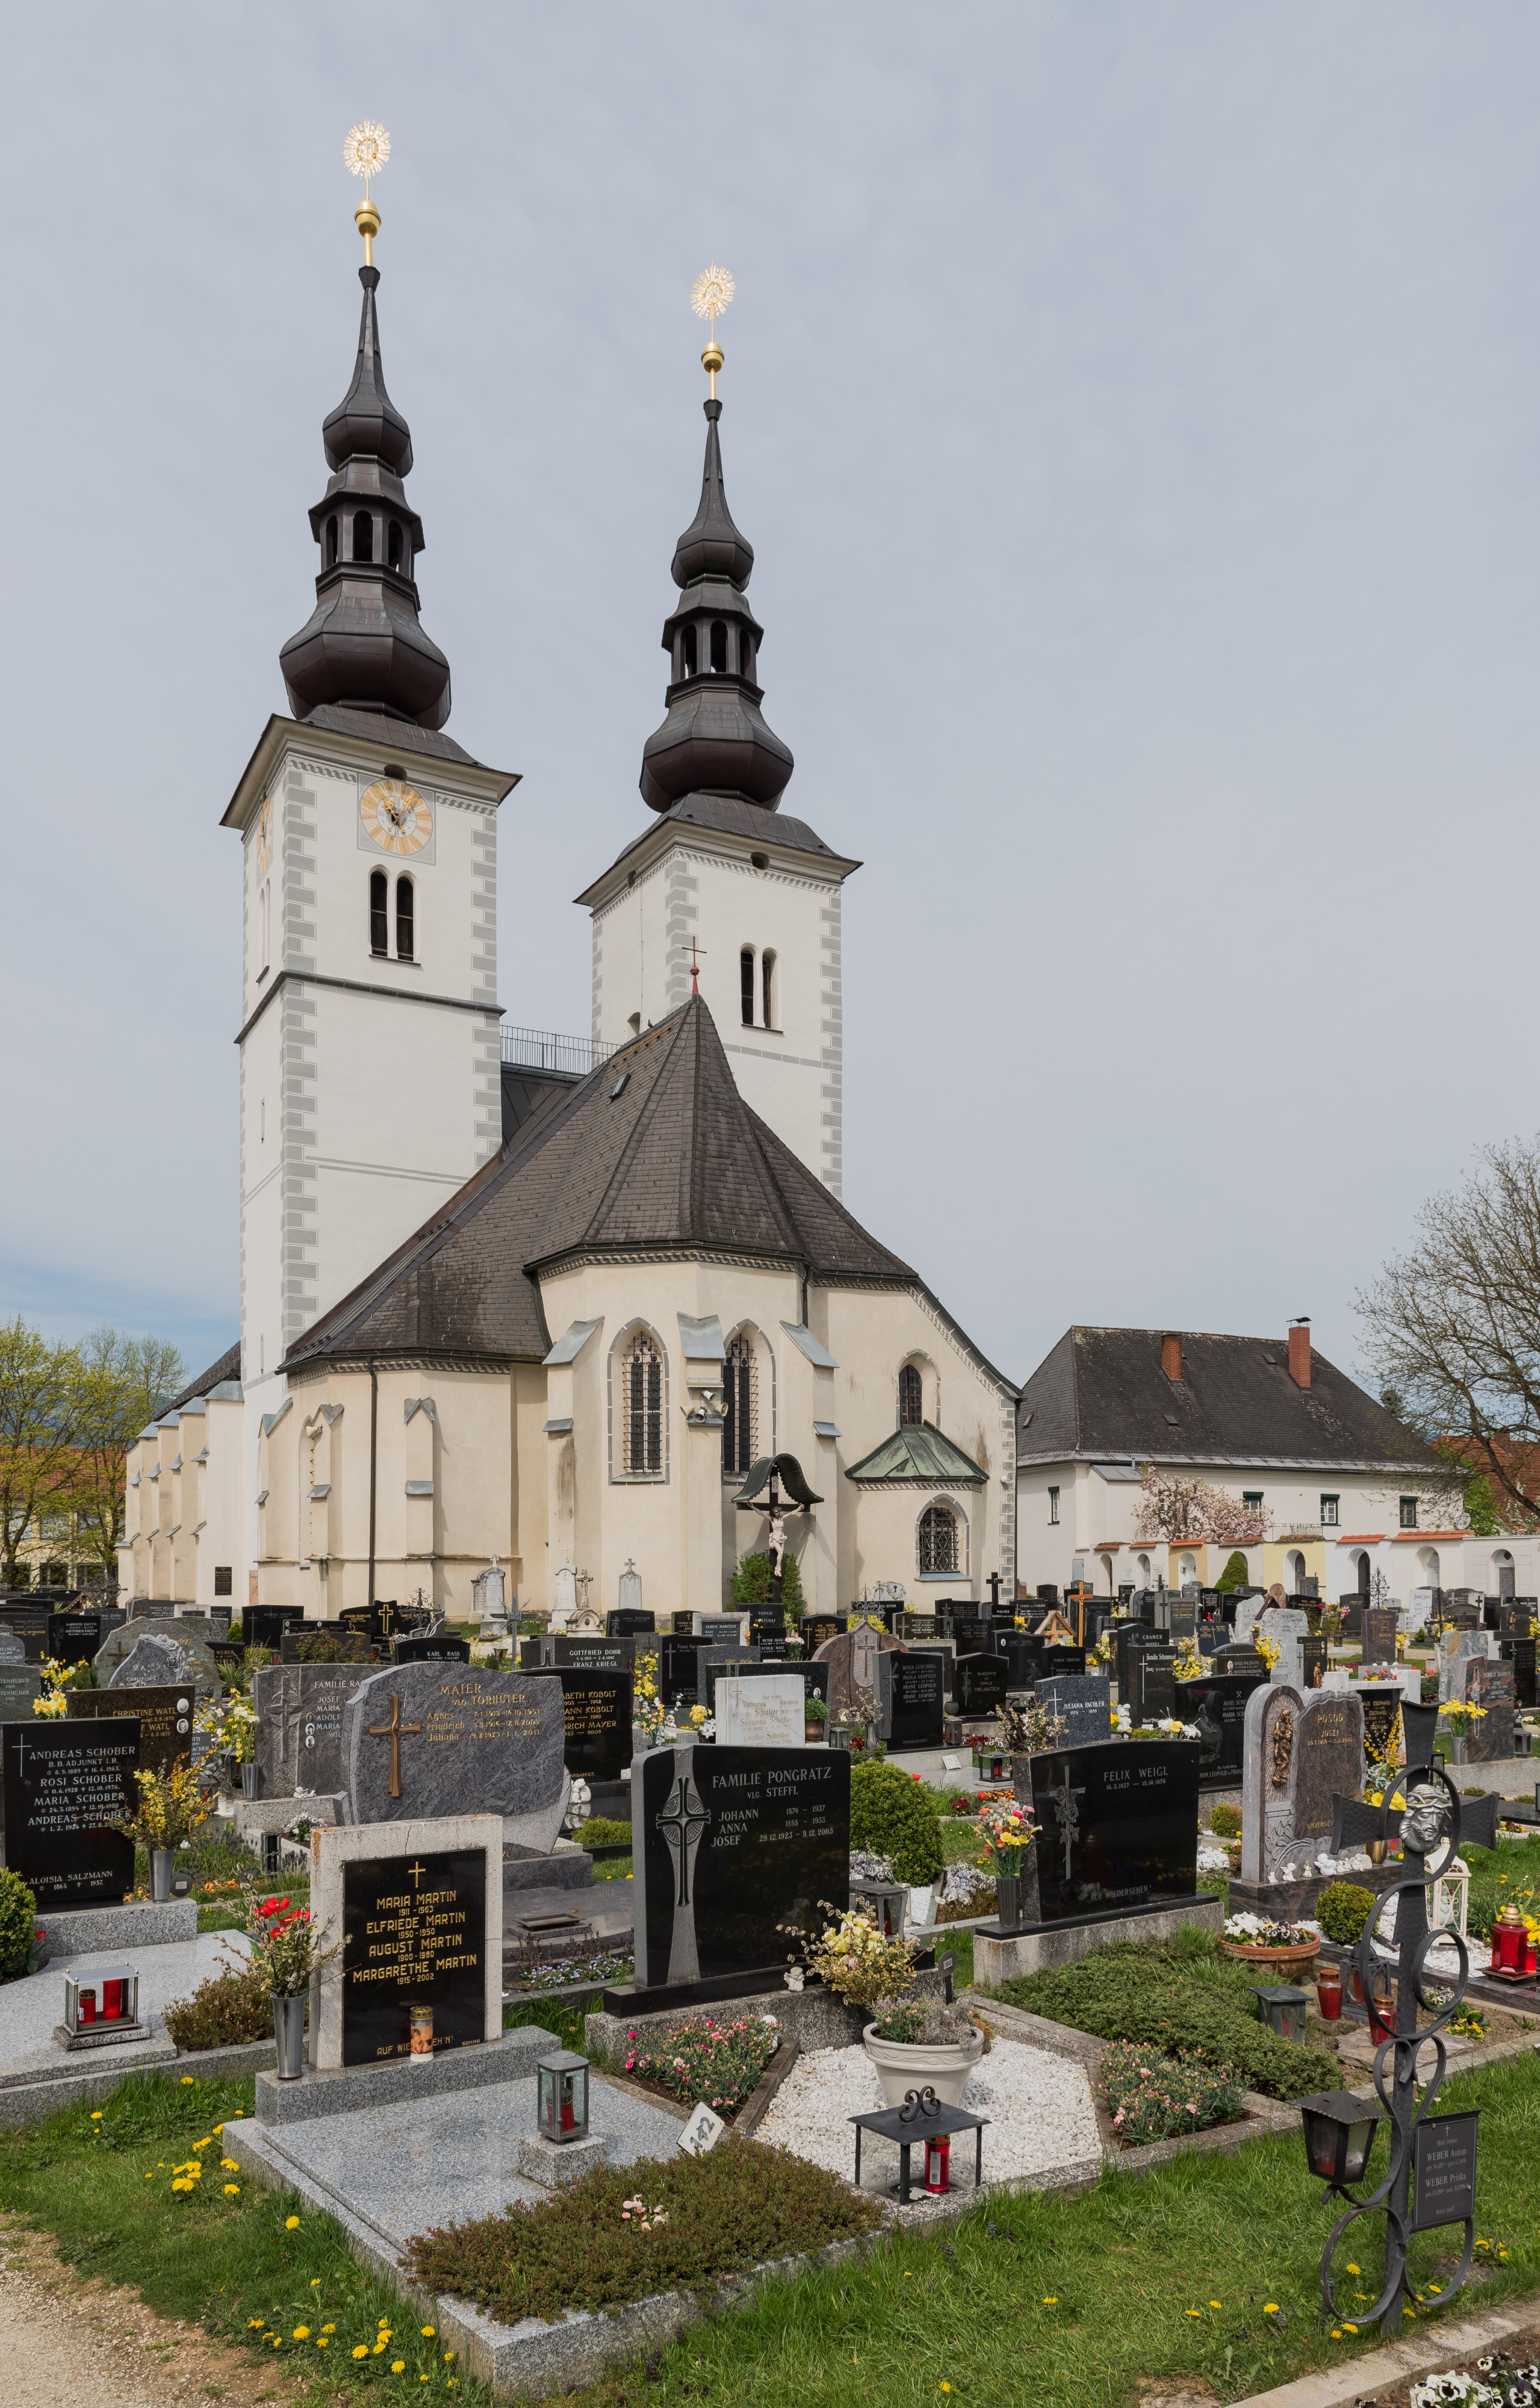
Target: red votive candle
87 2006
112 2002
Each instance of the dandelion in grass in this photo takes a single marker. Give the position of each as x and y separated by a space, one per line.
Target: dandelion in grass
398 2366
1271 2309
187 2082
362 2350
321 2341
1355 2270
302 2332
328 2328
255 2323
427 2331
1052 2303
232 2190
291 2224
1215 2303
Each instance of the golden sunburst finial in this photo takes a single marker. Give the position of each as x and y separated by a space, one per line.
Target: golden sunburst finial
364 154
709 295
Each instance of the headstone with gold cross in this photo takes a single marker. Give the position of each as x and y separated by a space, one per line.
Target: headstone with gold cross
410 1918
436 1739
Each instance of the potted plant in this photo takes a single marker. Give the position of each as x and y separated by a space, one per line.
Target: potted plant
1009 1835
814 1718
170 1810
1256 1941
936 2052
284 1951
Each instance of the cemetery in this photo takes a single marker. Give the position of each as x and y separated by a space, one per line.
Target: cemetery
724 1951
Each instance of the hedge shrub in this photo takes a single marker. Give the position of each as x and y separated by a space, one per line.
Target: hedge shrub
1341 1911
226 2008
752 1577
1225 1822
896 1816
1184 1997
18 1923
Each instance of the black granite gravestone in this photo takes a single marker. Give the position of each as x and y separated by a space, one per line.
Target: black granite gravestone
1240 1663
430 1647
263 1625
1061 1659
627 1621
1312 1663
733 1845
713 1659
588 1654
66 1784
598 1707
1023 1659
979 1683
1119 1827
1380 1623
1444 2169
911 1697
1149 1689
164 1714
1217 1704
412 1935
1519 1652
75 1637
816 1628
678 1670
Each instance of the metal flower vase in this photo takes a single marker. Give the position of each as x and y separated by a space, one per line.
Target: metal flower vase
289 2036
1008 1901
251 1779
161 1862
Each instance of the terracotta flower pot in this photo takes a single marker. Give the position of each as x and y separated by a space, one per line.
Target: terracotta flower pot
1289 1962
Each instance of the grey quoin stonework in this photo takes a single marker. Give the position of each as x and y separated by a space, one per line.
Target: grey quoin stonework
466 1740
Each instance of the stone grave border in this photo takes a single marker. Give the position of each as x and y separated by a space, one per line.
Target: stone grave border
28 2100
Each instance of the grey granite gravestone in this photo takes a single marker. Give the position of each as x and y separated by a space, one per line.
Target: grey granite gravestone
1491 1684
1084 1700
19 1683
1301 1749
1246 1616
12 1650
153 1663
852 1660
428 1739
1454 1649
299 1727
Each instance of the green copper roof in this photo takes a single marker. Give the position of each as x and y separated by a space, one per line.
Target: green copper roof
918 1453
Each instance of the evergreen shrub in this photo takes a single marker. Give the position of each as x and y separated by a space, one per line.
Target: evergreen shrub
1341 1911
18 1923
750 1584
1225 1822
894 1815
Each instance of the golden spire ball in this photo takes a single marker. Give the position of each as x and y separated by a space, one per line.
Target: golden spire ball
364 154
709 295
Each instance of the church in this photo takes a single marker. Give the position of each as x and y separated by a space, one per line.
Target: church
498 1311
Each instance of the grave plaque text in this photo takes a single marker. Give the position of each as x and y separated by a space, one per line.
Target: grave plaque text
414 1937
65 1783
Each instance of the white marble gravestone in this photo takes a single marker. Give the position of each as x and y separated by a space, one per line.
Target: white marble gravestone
767 1711
564 1596
629 1597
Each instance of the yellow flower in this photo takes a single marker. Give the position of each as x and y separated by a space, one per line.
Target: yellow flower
321 2341
302 2332
1215 2303
218 2128
447 2356
1271 2309
230 2165
150 2176
292 2224
398 2366
255 2323
232 2190
328 2328
1053 2302
1336 2332
187 2082
362 2350
315 2282
427 2332
1355 2270
1349 2328
96 2115
278 2341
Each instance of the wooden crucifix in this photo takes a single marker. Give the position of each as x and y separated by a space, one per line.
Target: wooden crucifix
394 1730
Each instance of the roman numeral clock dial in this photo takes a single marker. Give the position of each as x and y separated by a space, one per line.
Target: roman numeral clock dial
395 816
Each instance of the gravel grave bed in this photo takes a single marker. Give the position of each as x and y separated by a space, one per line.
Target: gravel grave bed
1041 2113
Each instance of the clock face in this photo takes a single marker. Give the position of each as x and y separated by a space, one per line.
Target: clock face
395 816
265 836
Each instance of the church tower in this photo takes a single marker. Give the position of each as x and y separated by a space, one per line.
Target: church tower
723 875
369 1046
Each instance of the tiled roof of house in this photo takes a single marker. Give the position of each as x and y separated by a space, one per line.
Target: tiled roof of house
226 1368
656 1148
1102 1394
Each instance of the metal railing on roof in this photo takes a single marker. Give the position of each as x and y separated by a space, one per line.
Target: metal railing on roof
542 1049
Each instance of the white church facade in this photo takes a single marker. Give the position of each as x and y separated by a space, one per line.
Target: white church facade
547 1321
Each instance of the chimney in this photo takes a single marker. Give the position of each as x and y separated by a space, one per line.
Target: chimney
1171 1355
1298 1351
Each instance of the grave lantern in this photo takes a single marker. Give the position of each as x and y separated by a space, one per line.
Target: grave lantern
937 2165
1282 2008
1339 2136
889 1902
1513 1950
107 1994
564 2097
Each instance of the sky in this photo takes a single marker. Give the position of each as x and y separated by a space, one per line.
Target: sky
1134 410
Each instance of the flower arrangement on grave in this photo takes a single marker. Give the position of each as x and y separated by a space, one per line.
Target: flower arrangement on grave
1190 1664
1151 2096
171 1807
1460 1714
815 1710
1009 1835
648 1712
1268 1649
1261 1931
285 1945
854 1960
1333 1623
58 1679
232 1724
1030 1729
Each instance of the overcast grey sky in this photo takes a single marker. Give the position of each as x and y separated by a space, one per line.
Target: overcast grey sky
1133 407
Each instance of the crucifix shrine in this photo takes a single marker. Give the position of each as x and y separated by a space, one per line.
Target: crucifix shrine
394 1730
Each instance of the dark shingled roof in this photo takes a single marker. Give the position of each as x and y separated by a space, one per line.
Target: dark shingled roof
1101 1396
676 1158
227 1367
734 815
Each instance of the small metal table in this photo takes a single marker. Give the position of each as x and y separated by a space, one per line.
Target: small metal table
907 2125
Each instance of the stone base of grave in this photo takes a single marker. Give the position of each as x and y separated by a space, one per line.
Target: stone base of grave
811 2018
95 1930
565 1868
100 2035
338 2090
555 2165
1006 1957
252 1817
1289 1901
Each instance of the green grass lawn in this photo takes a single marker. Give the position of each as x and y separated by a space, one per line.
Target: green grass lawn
244 2264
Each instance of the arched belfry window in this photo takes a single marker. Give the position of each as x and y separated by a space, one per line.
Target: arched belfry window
642 1405
745 982
331 541
687 650
939 1548
406 901
767 980
719 645
393 545
362 536
379 912
911 1397
737 1430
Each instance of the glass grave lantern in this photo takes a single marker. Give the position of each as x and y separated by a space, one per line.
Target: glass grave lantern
1339 2136
938 2166
1513 1950
563 2110
1282 2008
887 1900
106 1994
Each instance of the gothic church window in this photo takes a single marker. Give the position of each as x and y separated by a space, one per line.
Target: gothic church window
641 1403
746 981
405 919
362 536
737 1432
911 1397
379 912
939 1548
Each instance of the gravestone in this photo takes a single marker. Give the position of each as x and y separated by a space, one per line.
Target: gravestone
1379 1719
1491 1684
1247 1614
626 1622
163 1714
1312 1662
1023 1656
723 1629
918 1626
979 1683
1149 1688
1119 1826
1184 1616
911 1698
814 1677
74 1638
712 1660
766 1622
595 1720
341 1642
628 1590
1239 1663
1084 1701
431 1647
299 1727
419 1912
427 1740
1456 1648
1300 1750
1283 1622
852 1660
1520 1653
1216 1704
1353 1608
161 1663
587 1655
1381 1623
816 1628
66 1784
768 1712
263 1625
19 1683
732 1846
1062 1660
678 1670
12 1649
